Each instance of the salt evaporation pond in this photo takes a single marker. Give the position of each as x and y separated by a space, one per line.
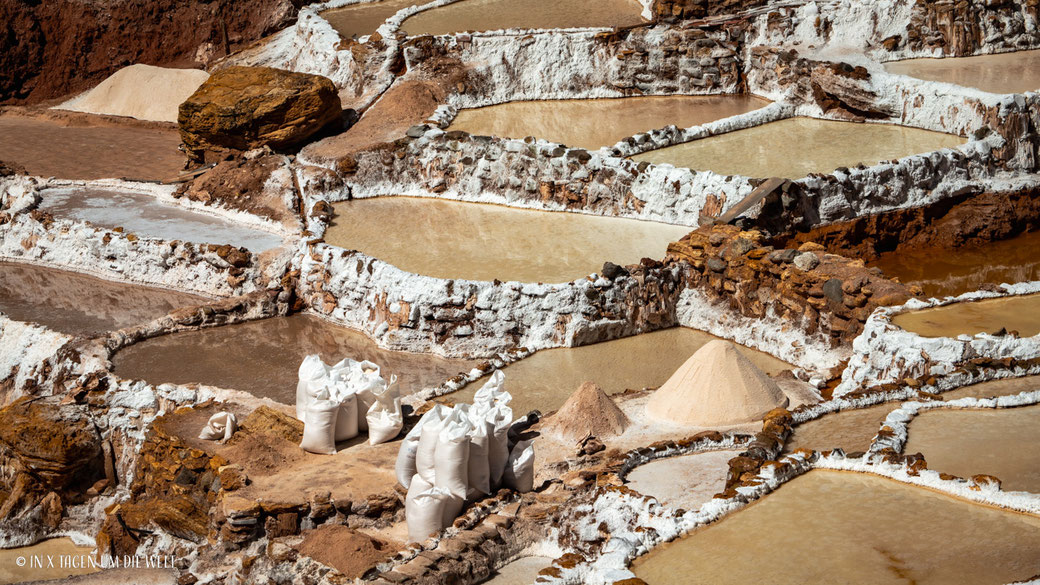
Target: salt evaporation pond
1002 443
78 304
595 123
853 430
263 357
1018 313
480 15
960 270
358 20
36 566
546 379
143 215
522 571
1016 72
452 239
795 147
837 527
685 482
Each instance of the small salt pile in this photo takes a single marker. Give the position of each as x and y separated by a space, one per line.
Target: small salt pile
589 411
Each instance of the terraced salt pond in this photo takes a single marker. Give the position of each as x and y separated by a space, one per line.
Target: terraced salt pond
1001 442
1018 313
263 357
44 560
143 215
1016 72
692 480
795 147
957 271
358 20
522 571
481 15
595 123
546 379
853 430
833 527
451 239
78 304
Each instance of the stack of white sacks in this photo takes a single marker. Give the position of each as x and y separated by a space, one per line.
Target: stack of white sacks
337 402
460 453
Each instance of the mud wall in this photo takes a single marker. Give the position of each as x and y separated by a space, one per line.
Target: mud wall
967 27
51 49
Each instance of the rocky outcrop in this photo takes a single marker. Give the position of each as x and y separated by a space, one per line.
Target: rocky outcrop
667 10
242 108
51 49
959 28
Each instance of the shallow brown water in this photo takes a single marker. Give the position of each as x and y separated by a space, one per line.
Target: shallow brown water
1020 313
545 380
263 357
49 149
451 239
954 272
56 558
830 527
358 20
1016 72
81 305
595 123
795 147
479 15
1003 443
853 430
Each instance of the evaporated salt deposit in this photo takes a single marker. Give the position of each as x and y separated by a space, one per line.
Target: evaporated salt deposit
1019 313
522 571
809 146
716 386
1002 443
40 562
480 15
140 91
452 239
589 411
595 123
686 482
1014 72
840 527
145 216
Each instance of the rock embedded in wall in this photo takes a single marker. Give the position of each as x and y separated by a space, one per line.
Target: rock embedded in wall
670 10
962 27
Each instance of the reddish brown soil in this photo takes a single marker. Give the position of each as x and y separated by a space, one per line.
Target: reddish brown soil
239 184
349 552
54 48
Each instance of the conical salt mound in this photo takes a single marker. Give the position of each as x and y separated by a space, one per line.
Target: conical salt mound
589 411
717 386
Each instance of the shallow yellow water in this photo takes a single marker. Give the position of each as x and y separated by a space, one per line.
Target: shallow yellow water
853 430
479 15
596 123
1021 314
56 558
358 20
795 147
1003 443
546 379
1016 72
451 239
958 271
829 527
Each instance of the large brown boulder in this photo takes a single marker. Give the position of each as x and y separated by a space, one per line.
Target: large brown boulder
241 108
53 442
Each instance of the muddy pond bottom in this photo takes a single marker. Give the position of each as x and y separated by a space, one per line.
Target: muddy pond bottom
480 15
1002 443
522 571
81 305
957 271
474 241
875 530
1018 313
358 20
545 380
66 559
811 146
1015 72
595 123
686 482
853 430
144 215
263 357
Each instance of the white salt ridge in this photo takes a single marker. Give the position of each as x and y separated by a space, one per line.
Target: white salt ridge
24 348
140 91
